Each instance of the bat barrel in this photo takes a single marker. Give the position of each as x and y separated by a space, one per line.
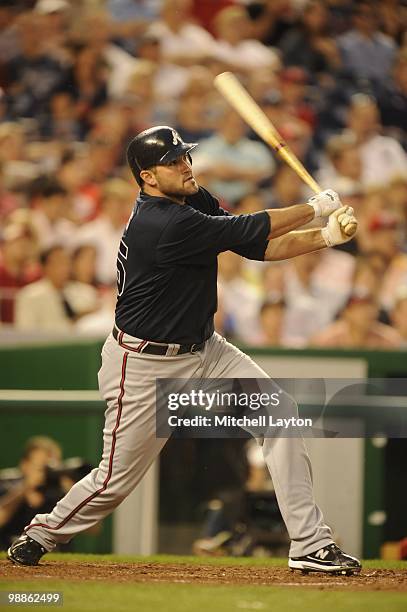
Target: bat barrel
237 96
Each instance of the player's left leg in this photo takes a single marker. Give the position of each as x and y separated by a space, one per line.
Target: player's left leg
127 382
290 468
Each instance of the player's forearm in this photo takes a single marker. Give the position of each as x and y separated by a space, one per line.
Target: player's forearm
293 244
284 220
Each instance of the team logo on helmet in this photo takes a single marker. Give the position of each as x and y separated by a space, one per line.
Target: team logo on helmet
175 137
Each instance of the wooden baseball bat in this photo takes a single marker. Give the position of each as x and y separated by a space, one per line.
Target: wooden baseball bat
237 96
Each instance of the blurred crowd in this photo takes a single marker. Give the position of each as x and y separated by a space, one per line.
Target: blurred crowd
79 78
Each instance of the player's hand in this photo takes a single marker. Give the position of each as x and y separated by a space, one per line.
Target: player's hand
325 203
341 227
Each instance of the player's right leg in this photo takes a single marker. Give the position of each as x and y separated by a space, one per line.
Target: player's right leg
127 383
312 546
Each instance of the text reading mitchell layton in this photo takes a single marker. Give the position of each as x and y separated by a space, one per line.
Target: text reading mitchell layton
233 421
208 401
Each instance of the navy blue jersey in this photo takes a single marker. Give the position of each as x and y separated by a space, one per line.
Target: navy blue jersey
167 265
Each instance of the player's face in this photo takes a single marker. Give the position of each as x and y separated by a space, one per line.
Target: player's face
176 178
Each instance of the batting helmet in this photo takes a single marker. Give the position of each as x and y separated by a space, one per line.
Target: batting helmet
154 147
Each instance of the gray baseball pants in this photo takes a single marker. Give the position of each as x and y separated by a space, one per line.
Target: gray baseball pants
127 383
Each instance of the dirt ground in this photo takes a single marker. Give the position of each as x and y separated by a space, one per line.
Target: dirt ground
369 579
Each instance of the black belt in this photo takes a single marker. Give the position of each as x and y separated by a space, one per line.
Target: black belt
156 349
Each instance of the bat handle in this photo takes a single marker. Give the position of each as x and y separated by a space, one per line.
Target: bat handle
314 186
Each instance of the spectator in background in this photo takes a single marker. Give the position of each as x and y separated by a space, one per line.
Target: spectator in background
392 18
287 188
83 268
251 203
398 313
34 75
200 83
393 15
11 143
109 126
274 280
9 38
374 204
368 273
96 33
139 12
87 83
103 152
293 87
27 494
193 123
358 327
381 233
237 164
367 53
62 122
271 102
272 19
341 165
310 45
49 213
309 281
396 196
240 301
205 12
39 481
291 116
54 25
82 291
383 158
340 16
149 48
252 270
263 85
368 276
105 232
140 89
83 194
130 18
8 200
272 322
392 99
100 322
54 303
235 46
298 135
16 267
183 42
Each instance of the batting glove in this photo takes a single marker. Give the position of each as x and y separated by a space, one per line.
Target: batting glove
325 203
341 227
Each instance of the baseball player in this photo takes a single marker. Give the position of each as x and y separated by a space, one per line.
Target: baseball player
167 273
